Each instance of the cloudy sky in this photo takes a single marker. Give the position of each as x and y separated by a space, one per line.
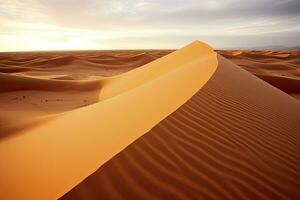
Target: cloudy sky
131 24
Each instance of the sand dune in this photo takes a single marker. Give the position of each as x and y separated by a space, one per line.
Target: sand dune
278 68
77 64
66 118
39 85
63 151
234 139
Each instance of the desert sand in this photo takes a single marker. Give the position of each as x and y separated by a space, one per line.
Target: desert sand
278 68
83 139
114 125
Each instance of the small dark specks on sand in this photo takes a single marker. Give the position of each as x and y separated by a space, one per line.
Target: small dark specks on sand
19 98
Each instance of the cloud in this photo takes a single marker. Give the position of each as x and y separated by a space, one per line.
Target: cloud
167 22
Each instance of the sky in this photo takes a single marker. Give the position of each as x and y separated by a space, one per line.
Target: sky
27 25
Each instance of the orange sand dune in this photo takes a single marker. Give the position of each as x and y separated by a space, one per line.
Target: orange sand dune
35 85
61 152
66 118
237 138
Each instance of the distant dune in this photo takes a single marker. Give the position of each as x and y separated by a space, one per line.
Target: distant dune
278 68
188 124
270 47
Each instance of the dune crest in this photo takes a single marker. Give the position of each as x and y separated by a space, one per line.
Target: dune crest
46 161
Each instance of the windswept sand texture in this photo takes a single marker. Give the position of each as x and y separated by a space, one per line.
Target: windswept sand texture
66 118
279 68
237 138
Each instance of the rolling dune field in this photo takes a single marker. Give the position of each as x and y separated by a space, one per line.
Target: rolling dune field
150 124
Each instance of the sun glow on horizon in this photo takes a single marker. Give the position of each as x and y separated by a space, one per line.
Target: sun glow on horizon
28 25
36 42
42 36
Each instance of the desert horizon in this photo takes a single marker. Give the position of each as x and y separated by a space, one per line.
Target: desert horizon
145 99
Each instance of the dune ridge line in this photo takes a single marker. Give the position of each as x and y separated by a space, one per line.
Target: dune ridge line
46 161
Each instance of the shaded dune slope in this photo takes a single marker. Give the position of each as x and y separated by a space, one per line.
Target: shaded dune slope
28 100
16 83
278 68
237 138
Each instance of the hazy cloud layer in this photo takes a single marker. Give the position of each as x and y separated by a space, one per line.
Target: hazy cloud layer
86 24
